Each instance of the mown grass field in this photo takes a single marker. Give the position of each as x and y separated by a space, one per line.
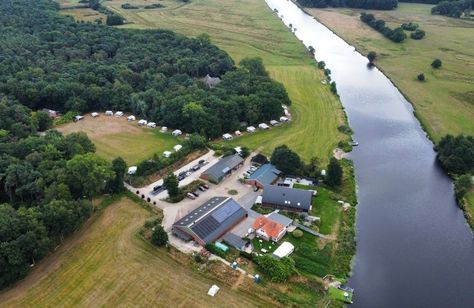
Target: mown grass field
248 28
108 264
445 102
115 137
69 7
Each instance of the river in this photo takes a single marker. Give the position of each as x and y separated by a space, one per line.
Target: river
414 247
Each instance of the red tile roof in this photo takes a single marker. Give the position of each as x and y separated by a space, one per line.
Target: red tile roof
271 228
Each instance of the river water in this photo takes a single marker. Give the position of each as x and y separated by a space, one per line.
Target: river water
414 248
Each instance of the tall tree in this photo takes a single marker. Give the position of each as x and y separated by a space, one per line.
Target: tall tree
172 185
334 174
286 160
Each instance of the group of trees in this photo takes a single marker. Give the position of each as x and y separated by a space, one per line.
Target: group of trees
362 4
396 35
453 8
51 61
279 270
290 163
46 184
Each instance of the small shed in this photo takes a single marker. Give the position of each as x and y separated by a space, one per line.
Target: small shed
251 129
164 129
177 133
284 250
151 124
274 122
283 119
142 122
263 126
131 118
109 113
222 247
119 114
95 114
166 154
227 137
235 241
177 147
132 170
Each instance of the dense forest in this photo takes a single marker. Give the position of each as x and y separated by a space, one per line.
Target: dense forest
51 61
46 184
362 4
453 8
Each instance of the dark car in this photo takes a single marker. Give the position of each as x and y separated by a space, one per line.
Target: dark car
157 187
195 193
196 168
201 188
202 161
180 177
205 186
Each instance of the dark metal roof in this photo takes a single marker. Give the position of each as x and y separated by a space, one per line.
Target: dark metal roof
288 197
223 166
281 219
259 159
265 175
234 240
212 218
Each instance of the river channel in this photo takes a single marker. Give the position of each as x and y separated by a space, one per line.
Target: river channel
414 247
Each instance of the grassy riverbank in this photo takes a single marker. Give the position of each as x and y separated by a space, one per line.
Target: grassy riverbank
444 103
248 29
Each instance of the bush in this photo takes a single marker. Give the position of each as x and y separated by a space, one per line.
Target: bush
321 65
409 26
198 258
297 233
421 77
128 6
371 56
436 63
159 236
418 34
114 20
213 249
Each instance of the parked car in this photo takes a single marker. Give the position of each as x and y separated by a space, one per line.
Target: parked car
183 173
157 187
188 173
205 186
201 188
196 168
253 168
191 196
180 177
202 161
195 193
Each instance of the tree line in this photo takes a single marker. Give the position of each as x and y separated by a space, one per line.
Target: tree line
51 61
396 35
361 4
453 8
46 184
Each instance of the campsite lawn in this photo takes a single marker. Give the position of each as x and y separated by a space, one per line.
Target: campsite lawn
248 28
116 137
444 103
106 263
268 246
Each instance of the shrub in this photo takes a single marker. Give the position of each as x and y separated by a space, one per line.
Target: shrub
421 77
409 26
371 56
418 34
321 65
436 63
198 258
278 270
159 236
213 249
297 233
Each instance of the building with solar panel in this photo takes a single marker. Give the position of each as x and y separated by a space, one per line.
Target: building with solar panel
210 221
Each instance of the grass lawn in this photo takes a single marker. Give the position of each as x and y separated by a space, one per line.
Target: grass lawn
248 28
470 205
116 137
444 103
108 264
339 295
324 207
268 246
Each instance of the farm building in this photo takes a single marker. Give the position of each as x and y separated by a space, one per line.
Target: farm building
234 240
177 133
263 126
265 175
142 122
177 147
131 118
151 124
119 114
211 81
268 229
95 114
281 219
284 250
109 113
222 168
251 129
285 198
209 221
259 159
227 137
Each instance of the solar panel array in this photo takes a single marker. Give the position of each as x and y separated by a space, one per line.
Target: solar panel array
225 211
205 226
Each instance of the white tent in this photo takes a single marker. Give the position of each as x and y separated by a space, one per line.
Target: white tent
177 147
164 129
131 118
227 137
213 290
94 114
142 122
177 133
151 124
251 129
284 250
132 170
263 126
109 113
166 154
